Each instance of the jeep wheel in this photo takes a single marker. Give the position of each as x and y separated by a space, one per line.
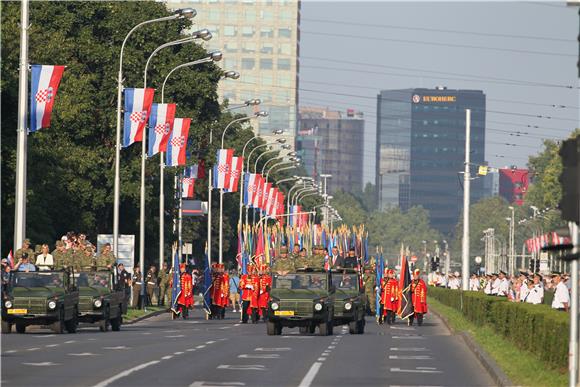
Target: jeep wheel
58 325
20 328
72 324
271 328
360 325
353 327
116 323
6 327
325 328
303 330
105 322
312 328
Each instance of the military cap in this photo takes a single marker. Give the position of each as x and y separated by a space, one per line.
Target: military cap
318 247
502 272
284 249
24 255
27 241
556 274
539 276
59 243
416 271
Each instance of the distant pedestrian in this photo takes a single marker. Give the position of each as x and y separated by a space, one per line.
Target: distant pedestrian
561 299
137 282
234 291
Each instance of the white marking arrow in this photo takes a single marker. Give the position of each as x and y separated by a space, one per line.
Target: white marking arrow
281 349
247 367
416 371
43 364
264 356
118 347
82 354
216 384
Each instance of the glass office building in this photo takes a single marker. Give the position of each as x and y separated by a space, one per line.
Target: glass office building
259 39
421 150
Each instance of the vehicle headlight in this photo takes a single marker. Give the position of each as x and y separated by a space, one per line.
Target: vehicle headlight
51 305
98 303
348 306
275 306
318 307
8 304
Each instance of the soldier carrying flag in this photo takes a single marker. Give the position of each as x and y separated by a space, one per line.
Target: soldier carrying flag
419 296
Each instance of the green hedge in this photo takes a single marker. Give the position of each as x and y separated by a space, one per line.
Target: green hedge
534 328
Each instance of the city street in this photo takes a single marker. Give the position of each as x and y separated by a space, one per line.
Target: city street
197 352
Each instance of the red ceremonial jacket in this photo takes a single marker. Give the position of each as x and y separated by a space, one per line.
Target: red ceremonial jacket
390 294
255 283
419 296
265 285
186 296
245 283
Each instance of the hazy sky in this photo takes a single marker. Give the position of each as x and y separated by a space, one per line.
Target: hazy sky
522 55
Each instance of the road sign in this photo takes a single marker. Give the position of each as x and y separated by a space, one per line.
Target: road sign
126 254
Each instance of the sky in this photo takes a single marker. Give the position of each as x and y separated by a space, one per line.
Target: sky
522 55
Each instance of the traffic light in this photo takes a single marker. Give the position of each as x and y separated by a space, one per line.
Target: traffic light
570 180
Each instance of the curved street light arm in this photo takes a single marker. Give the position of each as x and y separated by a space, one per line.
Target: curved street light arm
259 157
195 62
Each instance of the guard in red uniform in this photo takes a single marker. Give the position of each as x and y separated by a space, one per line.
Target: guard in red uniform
247 289
254 300
419 297
216 285
225 291
264 290
390 296
185 297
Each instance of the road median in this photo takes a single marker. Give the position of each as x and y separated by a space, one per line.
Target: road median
135 315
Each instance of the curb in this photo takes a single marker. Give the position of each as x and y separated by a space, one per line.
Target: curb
149 315
496 373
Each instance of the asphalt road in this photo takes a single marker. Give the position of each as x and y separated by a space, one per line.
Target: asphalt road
196 352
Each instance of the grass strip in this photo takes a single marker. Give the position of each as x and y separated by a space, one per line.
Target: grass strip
522 368
133 314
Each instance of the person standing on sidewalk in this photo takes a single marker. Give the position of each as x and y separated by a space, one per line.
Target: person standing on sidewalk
234 290
561 299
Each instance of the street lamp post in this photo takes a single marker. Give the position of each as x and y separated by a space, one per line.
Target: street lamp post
221 221
325 177
181 13
512 253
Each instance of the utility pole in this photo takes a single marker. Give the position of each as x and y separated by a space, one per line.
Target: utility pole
466 193
512 241
22 133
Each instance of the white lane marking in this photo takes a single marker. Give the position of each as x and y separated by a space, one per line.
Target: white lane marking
403 328
408 349
11 351
222 339
327 351
82 354
418 357
325 354
331 347
70 341
167 357
92 339
33 349
297 337
117 347
321 359
200 346
310 375
416 371
146 333
237 325
190 349
210 342
426 368
39 336
409 337
279 349
216 384
170 331
128 372
175 336
264 356
51 345
178 353
246 367
43 364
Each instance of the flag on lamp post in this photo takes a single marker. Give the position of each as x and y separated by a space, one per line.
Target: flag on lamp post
223 168
177 143
236 170
137 109
160 125
249 188
44 85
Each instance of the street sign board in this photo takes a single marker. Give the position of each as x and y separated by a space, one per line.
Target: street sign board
126 248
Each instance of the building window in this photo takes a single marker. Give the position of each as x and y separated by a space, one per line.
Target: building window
284 49
229 31
249 47
247 31
250 15
284 64
231 46
267 48
213 15
284 33
267 80
284 80
285 15
266 64
266 32
267 15
231 16
249 78
248 63
230 63
230 95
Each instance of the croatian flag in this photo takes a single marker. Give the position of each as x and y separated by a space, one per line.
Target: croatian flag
137 109
237 163
250 188
187 187
259 191
265 196
223 168
272 197
192 171
44 84
160 125
177 143
280 207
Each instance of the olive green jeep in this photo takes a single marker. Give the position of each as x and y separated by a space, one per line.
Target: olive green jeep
349 301
48 298
304 299
101 300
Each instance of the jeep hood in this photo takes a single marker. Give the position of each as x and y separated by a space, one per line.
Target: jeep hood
93 291
344 294
41 291
301 294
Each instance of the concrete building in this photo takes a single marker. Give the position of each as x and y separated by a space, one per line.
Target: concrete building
331 142
421 150
260 39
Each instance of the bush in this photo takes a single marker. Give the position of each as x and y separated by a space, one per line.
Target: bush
534 328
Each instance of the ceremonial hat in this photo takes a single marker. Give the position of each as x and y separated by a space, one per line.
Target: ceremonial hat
556 274
538 275
24 255
390 271
416 271
182 266
502 272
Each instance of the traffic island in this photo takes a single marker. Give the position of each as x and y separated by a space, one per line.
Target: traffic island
507 363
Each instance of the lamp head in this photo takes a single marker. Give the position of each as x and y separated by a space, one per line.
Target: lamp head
231 74
202 34
186 13
281 140
277 132
261 114
216 56
291 154
286 146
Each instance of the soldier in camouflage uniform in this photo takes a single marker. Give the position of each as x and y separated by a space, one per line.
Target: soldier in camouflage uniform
369 280
87 258
283 265
163 280
106 258
25 249
58 255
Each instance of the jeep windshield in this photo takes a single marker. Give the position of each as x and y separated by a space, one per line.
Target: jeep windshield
37 279
300 281
94 279
345 281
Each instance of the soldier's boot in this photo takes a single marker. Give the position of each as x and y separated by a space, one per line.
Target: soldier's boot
264 314
222 312
388 317
410 321
255 316
393 317
419 319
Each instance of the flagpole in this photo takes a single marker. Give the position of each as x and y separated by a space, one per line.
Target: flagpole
21 145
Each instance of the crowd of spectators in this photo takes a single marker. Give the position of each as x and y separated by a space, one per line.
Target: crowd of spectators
525 287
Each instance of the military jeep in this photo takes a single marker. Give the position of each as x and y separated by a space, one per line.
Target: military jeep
304 299
48 298
350 300
101 300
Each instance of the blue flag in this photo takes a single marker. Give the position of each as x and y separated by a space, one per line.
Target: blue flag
207 285
176 289
380 271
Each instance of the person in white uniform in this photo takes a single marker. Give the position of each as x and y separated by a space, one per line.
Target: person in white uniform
535 291
561 299
504 285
